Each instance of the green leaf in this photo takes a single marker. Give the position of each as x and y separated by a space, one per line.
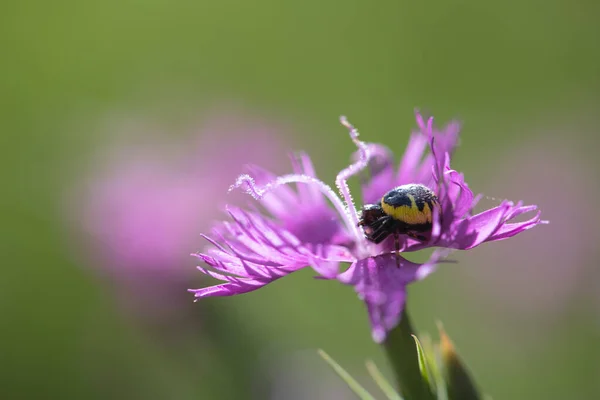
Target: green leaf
432 359
440 383
350 381
423 363
383 383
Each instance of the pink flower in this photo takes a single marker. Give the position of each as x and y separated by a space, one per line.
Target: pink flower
253 249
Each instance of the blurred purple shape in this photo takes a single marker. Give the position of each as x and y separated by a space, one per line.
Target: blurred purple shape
550 172
139 212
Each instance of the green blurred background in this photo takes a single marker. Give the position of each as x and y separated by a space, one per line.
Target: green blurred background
520 75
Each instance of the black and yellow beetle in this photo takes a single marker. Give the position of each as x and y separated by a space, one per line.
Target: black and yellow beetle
404 210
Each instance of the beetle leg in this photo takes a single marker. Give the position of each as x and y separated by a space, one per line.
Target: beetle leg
397 246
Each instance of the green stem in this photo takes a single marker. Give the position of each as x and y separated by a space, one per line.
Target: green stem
402 354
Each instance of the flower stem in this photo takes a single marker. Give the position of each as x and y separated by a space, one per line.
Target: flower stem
402 354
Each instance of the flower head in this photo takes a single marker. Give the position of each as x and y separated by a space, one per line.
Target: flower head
314 226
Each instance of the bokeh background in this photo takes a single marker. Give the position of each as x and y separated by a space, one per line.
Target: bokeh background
118 113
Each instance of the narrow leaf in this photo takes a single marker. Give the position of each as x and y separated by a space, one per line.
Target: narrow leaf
383 383
440 383
423 364
350 381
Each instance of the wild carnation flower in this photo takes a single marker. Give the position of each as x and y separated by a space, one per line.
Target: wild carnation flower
254 249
